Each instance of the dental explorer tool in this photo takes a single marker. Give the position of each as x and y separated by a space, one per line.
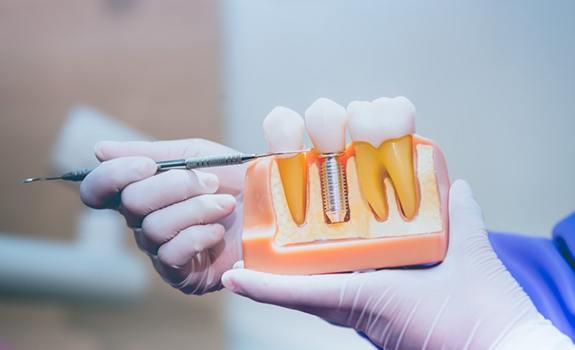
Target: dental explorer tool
189 163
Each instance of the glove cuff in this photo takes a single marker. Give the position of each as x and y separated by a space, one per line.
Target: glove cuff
540 334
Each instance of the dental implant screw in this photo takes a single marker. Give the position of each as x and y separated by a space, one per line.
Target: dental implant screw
334 188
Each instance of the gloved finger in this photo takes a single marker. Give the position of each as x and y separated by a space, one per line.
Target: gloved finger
465 217
101 188
196 277
143 243
143 197
189 242
303 293
158 150
163 225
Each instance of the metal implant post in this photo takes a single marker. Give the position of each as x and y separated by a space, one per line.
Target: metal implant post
334 188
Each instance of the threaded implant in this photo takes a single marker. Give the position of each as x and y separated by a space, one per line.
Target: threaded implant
333 188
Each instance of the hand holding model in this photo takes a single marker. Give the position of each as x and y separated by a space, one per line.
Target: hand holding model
188 222
470 301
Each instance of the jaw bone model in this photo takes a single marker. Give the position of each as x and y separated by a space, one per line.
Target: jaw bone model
380 201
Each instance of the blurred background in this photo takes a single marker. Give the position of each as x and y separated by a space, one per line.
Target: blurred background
493 83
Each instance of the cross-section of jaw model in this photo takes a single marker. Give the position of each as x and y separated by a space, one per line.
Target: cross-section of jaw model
380 201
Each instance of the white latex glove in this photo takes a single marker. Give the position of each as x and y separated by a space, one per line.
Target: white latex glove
188 222
468 301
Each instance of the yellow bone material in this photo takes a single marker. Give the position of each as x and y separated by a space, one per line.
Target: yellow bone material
293 174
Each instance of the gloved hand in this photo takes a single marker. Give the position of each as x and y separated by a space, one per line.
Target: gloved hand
188 222
468 301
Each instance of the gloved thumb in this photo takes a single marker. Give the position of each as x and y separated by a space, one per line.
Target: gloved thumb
304 293
106 150
159 150
465 217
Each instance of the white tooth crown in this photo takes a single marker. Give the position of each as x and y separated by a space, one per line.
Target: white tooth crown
325 121
383 119
284 130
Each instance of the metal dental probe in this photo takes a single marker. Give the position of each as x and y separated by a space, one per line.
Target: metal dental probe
189 163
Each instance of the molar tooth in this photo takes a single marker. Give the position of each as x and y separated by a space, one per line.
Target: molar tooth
382 134
284 131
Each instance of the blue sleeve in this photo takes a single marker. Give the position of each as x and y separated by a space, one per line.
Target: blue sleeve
545 269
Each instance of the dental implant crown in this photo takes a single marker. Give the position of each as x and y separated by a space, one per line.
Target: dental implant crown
325 121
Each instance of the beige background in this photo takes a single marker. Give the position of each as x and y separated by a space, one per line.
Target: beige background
151 64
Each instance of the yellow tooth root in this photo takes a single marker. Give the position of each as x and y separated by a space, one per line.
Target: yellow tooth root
293 173
397 157
370 173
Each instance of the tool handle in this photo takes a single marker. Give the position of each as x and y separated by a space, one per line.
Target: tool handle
76 175
214 161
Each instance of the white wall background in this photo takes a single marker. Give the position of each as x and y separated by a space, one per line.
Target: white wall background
493 83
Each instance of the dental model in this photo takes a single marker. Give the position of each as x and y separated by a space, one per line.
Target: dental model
380 201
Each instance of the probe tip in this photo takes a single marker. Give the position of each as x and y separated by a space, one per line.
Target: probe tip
31 179
34 179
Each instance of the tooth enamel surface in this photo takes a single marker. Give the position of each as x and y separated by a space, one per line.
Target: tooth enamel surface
284 131
325 122
383 119
381 132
